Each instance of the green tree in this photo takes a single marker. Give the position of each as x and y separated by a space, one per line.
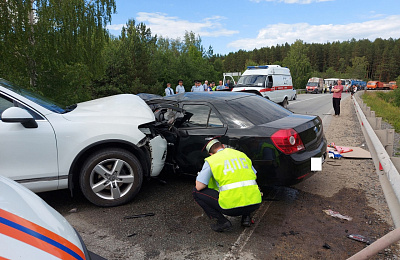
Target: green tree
358 70
50 49
299 64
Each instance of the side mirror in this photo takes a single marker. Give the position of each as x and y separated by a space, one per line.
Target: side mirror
18 115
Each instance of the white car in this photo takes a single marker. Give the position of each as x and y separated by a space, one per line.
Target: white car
104 147
31 229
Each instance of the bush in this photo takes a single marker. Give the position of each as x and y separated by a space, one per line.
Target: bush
388 111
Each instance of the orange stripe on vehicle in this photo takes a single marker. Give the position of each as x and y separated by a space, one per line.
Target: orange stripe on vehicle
37 242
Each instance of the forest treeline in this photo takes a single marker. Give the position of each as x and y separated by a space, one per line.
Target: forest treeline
62 50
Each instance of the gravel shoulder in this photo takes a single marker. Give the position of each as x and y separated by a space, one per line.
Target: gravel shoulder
345 130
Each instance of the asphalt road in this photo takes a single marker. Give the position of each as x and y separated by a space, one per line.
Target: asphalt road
163 221
313 104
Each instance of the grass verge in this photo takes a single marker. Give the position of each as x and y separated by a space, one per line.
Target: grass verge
385 109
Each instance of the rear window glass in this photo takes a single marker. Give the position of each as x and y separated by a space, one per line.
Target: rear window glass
258 110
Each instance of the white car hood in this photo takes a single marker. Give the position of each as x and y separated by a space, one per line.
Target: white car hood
26 218
126 107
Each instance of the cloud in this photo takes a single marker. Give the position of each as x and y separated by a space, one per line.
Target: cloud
115 27
282 33
174 27
293 1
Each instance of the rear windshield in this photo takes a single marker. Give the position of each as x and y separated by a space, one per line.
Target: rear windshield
258 110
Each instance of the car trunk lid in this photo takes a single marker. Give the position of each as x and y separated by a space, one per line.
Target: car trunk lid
309 128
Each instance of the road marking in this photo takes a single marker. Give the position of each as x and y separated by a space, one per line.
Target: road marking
298 101
244 237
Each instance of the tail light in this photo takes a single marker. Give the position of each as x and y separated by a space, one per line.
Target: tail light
287 141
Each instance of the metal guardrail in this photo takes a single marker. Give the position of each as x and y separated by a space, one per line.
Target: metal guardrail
382 160
390 182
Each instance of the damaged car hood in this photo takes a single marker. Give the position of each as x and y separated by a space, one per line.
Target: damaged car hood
114 108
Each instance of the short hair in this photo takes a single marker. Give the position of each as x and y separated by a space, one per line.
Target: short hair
168 84
213 146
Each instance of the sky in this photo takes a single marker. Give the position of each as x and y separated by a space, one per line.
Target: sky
233 25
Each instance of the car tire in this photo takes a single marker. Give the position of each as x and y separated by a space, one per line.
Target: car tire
285 103
111 177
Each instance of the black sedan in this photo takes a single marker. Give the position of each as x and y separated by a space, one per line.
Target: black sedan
279 142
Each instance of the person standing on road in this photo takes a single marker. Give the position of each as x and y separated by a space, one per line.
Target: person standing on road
213 87
168 90
229 84
205 85
337 96
351 89
220 86
197 86
180 88
227 185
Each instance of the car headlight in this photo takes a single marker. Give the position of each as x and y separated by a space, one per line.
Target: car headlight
145 130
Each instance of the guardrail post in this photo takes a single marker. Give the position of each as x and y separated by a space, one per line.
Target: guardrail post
367 111
396 162
378 122
386 136
372 120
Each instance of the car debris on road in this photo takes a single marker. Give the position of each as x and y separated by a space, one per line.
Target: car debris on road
336 214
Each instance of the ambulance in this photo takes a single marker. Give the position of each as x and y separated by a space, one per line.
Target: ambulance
270 81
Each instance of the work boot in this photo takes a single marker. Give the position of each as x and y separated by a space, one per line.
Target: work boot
246 221
220 227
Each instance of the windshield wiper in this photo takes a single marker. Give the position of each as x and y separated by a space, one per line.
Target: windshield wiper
70 108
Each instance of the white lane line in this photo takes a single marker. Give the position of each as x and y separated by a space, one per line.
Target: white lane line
244 237
298 101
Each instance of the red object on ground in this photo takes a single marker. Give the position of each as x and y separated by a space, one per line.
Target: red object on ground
380 167
342 149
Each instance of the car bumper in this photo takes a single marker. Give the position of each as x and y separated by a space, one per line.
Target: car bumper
288 169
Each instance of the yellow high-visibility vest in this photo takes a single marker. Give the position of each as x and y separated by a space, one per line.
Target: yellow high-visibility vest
237 181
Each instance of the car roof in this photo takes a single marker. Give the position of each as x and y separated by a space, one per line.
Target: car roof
206 95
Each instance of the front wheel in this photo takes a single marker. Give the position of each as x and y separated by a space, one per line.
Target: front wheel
111 177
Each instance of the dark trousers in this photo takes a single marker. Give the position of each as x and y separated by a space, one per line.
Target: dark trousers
336 105
208 200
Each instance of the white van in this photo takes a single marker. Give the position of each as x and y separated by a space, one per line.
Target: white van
270 81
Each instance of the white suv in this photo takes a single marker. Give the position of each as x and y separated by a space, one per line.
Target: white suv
104 146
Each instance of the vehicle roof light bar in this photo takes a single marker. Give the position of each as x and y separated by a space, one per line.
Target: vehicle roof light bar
257 67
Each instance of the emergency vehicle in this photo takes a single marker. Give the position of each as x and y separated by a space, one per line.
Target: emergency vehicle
270 81
315 85
31 229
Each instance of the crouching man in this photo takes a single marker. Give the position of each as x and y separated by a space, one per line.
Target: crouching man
227 186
